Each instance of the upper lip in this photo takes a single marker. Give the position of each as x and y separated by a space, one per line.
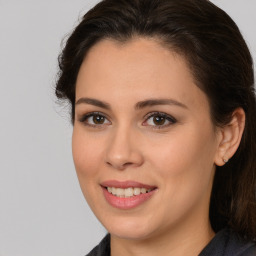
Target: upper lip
126 184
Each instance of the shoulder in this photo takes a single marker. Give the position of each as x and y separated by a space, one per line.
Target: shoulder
102 249
229 243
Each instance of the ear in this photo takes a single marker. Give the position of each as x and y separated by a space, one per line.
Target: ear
229 137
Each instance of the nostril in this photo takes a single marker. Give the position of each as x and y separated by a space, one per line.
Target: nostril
127 164
120 166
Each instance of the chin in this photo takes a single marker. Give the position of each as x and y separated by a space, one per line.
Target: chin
129 228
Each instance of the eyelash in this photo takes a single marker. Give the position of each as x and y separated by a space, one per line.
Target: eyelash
170 119
85 118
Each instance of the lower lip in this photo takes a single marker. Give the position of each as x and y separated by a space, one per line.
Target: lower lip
126 203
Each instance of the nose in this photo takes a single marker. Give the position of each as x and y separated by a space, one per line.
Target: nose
124 150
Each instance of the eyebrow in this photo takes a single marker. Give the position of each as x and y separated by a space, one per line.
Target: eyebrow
138 105
155 102
94 102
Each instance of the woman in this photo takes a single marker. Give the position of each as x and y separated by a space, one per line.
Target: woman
163 108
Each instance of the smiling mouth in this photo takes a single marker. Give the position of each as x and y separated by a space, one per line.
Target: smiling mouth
127 192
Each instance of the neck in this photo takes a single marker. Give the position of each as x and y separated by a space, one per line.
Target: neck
177 242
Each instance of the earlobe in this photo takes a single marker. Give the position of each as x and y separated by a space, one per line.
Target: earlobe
230 137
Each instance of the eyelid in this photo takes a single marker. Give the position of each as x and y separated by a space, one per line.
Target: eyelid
168 117
84 117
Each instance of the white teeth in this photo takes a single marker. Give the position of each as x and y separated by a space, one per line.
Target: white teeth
128 192
143 190
120 192
136 191
113 191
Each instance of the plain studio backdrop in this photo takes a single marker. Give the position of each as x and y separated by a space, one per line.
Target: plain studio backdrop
42 210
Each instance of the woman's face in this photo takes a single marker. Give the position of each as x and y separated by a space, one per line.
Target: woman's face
144 145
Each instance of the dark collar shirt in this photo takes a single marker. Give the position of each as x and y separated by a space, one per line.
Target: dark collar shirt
224 243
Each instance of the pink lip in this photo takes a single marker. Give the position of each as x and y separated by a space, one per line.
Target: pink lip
129 202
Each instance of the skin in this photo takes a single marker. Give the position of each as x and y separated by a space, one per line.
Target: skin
177 157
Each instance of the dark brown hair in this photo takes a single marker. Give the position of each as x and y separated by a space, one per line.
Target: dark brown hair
222 67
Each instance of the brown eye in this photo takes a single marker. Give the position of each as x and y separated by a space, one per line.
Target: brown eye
94 119
159 120
97 119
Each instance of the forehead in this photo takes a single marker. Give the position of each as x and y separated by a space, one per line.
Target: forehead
138 68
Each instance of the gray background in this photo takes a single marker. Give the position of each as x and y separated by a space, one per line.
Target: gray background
42 211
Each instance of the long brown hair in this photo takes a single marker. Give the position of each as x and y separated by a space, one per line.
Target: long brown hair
221 64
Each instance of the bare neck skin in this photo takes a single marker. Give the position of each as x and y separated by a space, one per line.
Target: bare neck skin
187 240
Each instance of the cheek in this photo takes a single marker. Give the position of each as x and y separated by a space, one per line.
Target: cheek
184 157
184 169
86 154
